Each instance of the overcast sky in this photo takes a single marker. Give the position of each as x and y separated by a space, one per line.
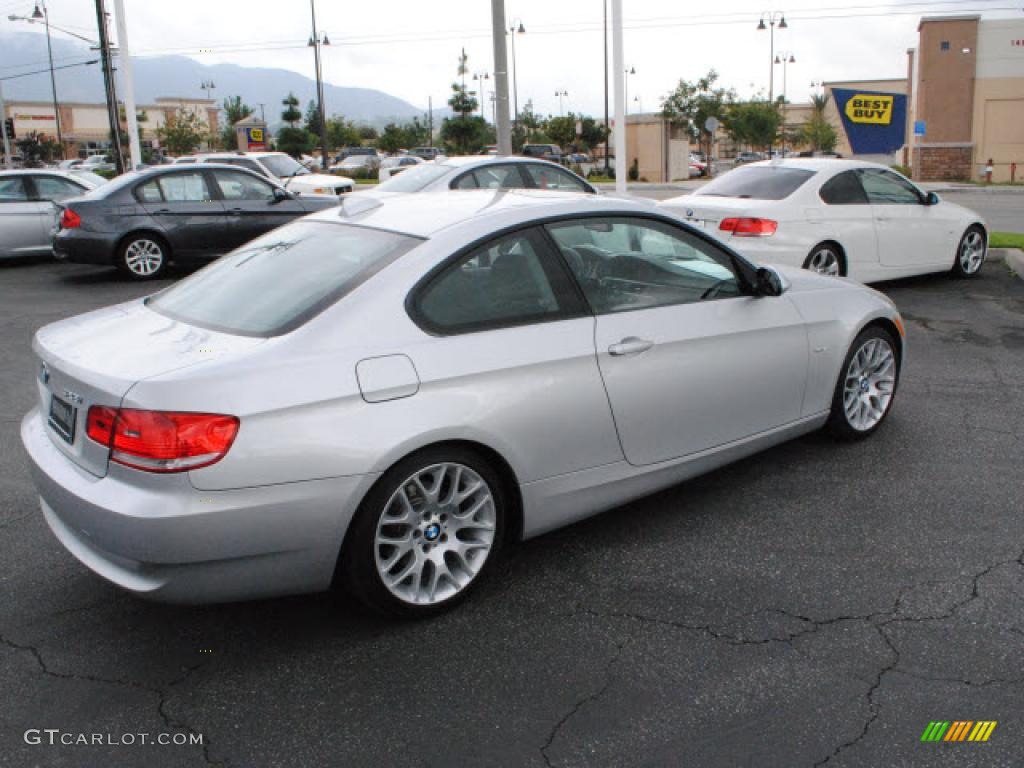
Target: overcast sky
410 49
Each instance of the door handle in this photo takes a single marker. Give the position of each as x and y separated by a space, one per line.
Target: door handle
630 345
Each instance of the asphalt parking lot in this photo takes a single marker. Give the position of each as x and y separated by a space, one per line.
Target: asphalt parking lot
817 604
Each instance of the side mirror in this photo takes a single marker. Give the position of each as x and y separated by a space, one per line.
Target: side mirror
931 199
769 283
280 196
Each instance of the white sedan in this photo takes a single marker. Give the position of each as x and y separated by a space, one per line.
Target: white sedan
392 166
837 217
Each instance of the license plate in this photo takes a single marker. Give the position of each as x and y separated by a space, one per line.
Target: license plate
702 223
62 418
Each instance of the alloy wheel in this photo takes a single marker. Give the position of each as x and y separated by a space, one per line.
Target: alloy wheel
435 533
972 252
869 384
143 258
824 261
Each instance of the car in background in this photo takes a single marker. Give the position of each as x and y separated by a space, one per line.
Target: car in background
577 158
29 202
143 220
550 152
837 217
285 170
358 165
748 157
370 152
488 149
697 166
392 166
427 153
484 172
97 163
382 400
185 160
67 165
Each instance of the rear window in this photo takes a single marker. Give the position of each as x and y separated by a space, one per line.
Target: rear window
279 281
764 182
414 179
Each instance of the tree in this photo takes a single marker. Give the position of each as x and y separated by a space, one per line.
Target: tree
342 133
395 137
692 103
562 130
817 132
295 141
234 110
291 113
183 132
463 136
467 135
367 133
37 148
312 123
755 123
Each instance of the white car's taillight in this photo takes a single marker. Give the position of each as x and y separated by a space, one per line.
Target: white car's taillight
747 227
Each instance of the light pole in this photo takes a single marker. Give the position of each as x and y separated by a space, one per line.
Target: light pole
515 28
625 80
639 105
316 42
561 94
480 77
773 18
784 58
44 15
207 85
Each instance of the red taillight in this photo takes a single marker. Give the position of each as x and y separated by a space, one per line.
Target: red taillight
744 227
69 219
161 441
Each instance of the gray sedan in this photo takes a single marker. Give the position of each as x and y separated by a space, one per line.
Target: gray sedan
383 394
28 210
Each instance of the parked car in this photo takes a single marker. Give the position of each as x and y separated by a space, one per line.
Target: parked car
484 172
838 217
392 166
285 170
67 165
28 207
427 153
458 377
576 158
748 157
551 152
697 166
369 152
357 164
143 220
96 163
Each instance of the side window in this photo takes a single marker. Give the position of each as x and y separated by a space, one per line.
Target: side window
149 192
184 188
12 190
885 188
242 186
498 177
624 264
552 177
244 162
465 181
843 189
510 281
56 189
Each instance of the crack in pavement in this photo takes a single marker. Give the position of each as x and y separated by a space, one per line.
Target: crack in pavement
161 693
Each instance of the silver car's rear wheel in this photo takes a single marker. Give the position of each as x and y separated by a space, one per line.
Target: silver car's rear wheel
435 533
143 257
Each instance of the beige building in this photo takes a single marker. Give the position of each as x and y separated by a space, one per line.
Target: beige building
85 127
660 150
967 92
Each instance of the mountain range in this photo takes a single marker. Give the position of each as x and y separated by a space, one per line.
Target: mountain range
180 76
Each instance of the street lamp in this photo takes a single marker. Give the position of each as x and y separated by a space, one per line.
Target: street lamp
44 15
784 58
515 28
773 18
481 76
625 80
207 85
316 42
561 94
639 104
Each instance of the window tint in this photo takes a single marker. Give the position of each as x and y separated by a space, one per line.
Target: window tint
465 181
184 187
242 186
12 190
551 177
149 192
278 281
844 189
764 182
509 281
498 177
55 188
625 264
885 188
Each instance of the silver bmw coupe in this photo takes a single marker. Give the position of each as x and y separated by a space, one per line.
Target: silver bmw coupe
381 395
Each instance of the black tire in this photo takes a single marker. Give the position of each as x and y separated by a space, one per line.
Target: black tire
357 569
965 263
839 423
826 251
143 256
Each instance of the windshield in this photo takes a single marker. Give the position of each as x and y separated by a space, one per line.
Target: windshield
279 281
415 179
763 182
283 166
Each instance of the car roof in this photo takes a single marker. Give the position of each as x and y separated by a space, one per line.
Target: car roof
462 161
425 215
816 163
36 171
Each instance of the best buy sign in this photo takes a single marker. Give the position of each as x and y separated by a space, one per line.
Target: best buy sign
869 108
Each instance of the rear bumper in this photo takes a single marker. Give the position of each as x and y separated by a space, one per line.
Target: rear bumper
81 247
768 250
157 536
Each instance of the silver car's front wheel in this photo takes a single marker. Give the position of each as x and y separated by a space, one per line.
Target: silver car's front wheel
425 533
970 254
866 385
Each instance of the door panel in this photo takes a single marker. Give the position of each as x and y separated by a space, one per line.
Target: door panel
183 206
909 232
20 229
251 207
846 216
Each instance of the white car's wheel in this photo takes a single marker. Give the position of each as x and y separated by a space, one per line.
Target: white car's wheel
970 253
826 259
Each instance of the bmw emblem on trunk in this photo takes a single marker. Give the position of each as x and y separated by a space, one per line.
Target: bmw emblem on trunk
689 212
